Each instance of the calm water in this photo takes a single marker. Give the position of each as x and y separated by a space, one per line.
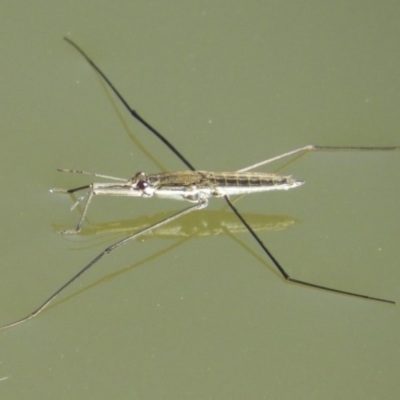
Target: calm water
206 316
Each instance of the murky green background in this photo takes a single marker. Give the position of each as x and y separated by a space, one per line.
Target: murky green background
201 317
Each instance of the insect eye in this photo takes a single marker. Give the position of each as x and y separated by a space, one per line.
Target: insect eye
142 185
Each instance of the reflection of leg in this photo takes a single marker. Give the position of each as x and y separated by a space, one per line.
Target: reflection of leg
312 147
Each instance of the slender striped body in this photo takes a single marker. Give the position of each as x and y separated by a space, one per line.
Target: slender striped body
209 184
203 179
193 185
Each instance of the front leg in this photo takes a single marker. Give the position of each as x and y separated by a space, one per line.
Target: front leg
89 196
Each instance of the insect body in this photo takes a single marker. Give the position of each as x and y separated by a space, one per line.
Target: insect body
192 185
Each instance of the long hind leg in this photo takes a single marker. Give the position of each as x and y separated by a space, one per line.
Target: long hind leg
312 147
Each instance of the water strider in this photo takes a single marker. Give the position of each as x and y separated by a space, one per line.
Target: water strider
193 186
